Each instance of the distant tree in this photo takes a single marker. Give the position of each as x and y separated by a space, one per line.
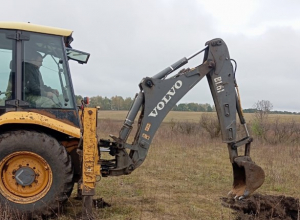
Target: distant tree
182 107
262 109
205 106
78 99
201 108
127 103
209 108
117 103
96 101
249 110
192 107
260 125
106 104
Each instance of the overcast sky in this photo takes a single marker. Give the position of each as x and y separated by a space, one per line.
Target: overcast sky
131 39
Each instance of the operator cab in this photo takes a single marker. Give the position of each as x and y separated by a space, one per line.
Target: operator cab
34 70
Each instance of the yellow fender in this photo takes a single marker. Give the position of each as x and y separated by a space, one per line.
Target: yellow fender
38 119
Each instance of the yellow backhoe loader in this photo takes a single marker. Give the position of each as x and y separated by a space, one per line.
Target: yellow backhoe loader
48 143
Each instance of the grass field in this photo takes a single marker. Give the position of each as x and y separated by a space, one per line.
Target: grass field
185 175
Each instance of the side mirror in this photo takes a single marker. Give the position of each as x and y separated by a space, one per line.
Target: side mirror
79 56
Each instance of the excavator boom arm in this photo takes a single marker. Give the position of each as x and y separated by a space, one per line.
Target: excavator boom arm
159 94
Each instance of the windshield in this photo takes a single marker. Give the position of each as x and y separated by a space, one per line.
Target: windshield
46 81
6 67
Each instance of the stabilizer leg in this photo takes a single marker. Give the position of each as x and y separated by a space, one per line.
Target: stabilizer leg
87 208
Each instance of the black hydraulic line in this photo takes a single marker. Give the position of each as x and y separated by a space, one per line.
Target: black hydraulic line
171 68
192 56
175 66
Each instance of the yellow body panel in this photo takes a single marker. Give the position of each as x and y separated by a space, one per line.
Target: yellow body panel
38 119
35 28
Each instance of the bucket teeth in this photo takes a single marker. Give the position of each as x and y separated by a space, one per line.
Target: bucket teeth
247 177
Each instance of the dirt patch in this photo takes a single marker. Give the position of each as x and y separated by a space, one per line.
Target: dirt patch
263 207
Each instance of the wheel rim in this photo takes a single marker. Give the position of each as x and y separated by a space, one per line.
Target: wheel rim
25 177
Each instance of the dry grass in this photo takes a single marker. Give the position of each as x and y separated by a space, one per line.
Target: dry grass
188 116
185 175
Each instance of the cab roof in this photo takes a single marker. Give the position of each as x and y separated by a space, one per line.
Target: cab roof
35 28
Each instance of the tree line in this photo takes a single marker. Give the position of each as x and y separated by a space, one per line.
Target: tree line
118 103
253 110
114 103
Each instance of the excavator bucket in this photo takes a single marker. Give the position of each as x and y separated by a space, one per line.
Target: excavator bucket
247 177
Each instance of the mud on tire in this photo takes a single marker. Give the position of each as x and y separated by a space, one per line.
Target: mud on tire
36 171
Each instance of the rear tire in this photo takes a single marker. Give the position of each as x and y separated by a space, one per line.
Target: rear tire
36 171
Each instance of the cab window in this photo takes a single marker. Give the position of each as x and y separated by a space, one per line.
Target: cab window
6 68
45 73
